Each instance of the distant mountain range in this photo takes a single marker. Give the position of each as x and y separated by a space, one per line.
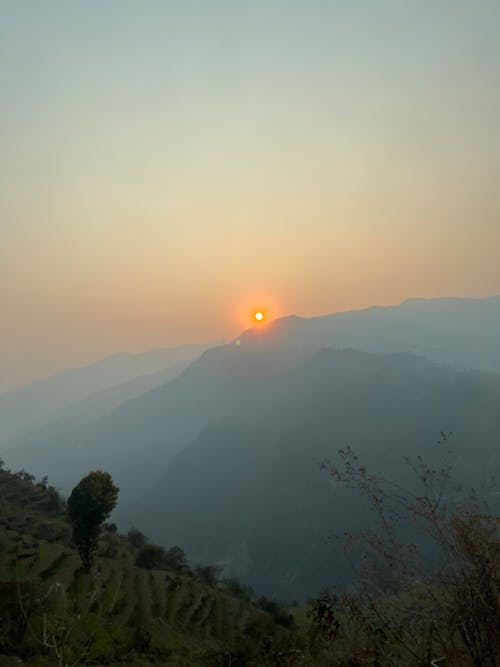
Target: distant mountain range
101 385
223 458
464 333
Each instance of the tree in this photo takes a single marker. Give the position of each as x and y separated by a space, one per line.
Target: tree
175 558
136 538
151 557
89 505
208 574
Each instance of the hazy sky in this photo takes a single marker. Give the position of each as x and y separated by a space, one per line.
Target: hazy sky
167 166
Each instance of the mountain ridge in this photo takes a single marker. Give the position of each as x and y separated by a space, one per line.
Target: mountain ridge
41 402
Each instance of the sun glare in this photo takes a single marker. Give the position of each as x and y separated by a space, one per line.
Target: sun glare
259 316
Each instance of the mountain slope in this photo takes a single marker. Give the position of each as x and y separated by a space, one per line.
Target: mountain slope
137 440
95 406
222 448
248 492
45 401
464 333
119 613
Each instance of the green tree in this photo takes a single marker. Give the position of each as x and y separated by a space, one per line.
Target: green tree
151 556
208 574
136 538
89 505
175 558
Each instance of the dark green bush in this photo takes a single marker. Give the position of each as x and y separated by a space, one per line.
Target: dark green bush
151 557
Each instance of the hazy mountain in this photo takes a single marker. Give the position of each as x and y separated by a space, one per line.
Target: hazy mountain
248 492
97 405
152 427
46 400
138 439
224 458
462 332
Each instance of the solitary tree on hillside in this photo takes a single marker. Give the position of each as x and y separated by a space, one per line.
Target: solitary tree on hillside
89 505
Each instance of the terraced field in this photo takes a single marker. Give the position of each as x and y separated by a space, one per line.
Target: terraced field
165 613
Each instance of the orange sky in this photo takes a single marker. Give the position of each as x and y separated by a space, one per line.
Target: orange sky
168 168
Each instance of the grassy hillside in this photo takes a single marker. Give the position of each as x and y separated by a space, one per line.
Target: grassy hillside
119 612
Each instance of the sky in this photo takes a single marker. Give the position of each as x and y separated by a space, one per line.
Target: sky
167 167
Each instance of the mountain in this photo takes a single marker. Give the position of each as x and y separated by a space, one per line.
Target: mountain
31 407
249 494
97 405
138 439
227 453
464 333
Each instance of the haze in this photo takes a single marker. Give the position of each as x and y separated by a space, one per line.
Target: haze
166 167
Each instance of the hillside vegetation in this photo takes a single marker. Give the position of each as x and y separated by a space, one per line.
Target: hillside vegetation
400 612
51 613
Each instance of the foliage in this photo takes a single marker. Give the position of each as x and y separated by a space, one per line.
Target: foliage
280 616
54 501
52 613
90 503
416 602
136 538
18 603
208 574
151 557
175 559
239 590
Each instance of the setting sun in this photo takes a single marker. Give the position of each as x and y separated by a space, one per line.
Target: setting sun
259 316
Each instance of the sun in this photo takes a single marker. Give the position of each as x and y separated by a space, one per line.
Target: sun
259 316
